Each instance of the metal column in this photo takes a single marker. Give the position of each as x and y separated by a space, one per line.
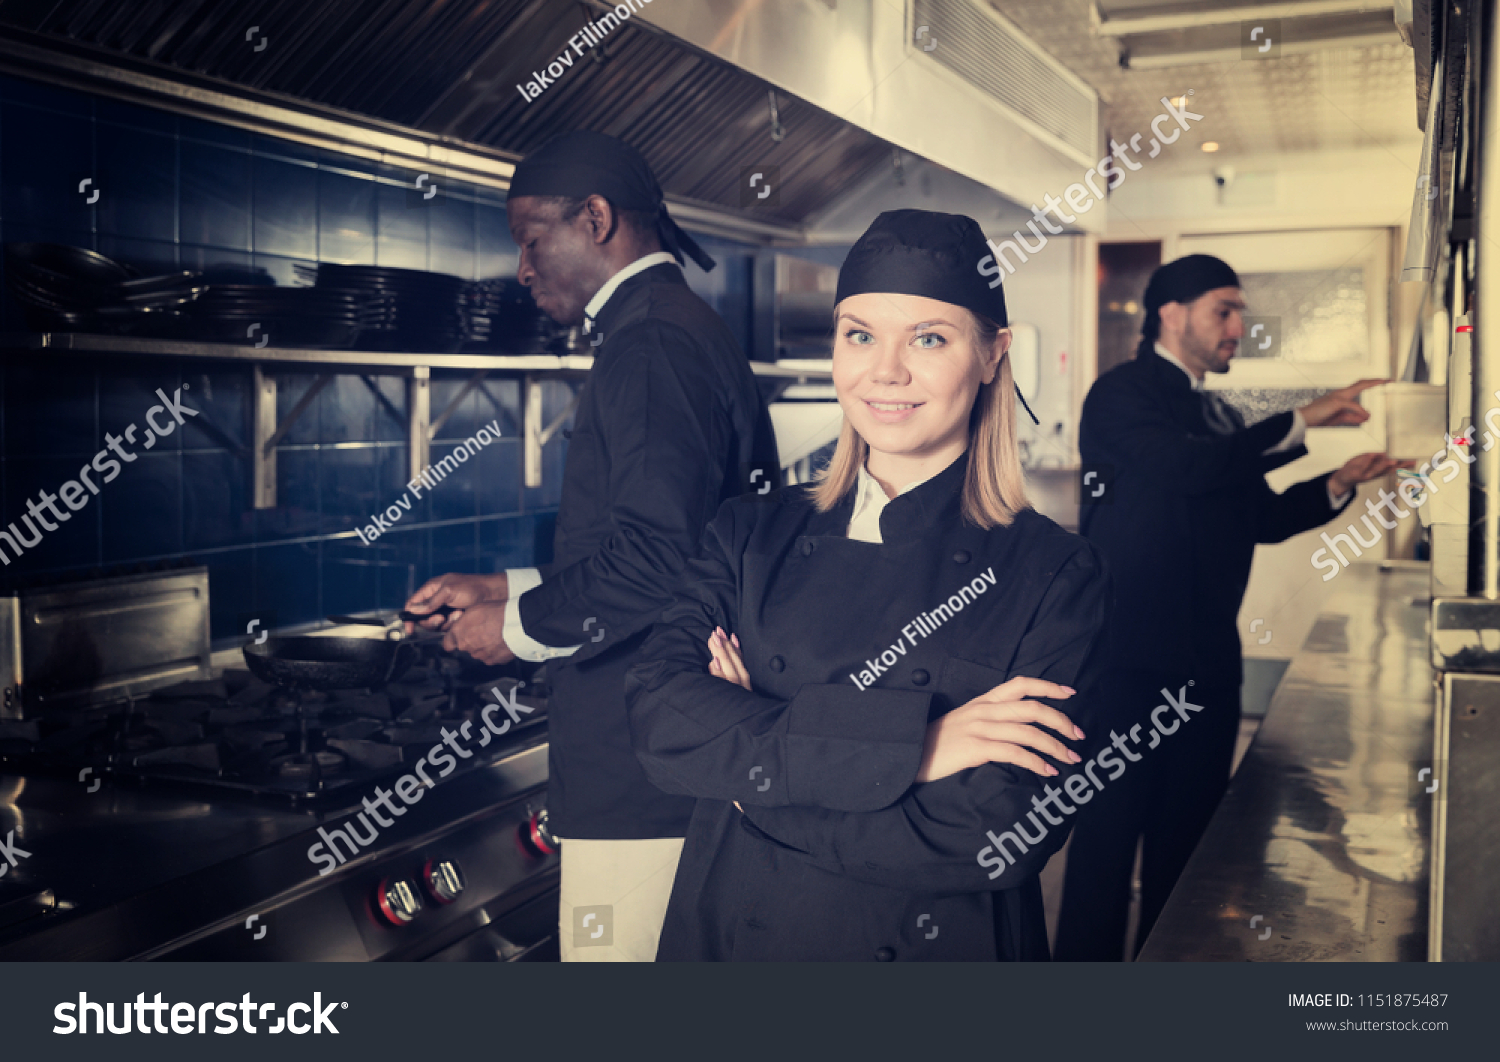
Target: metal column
1464 786
1484 489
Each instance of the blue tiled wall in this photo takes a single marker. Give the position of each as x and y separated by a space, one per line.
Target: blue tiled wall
179 193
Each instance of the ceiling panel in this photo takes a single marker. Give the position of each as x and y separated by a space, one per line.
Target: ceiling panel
1331 99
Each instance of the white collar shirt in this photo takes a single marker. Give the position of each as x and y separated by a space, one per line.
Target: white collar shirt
594 306
869 502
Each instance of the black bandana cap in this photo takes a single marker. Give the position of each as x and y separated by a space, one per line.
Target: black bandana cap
928 254
1183 281
582 163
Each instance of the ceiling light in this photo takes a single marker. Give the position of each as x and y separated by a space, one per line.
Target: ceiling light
1210 145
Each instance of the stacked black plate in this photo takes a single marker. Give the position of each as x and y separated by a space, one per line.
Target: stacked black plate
73 289
261 316
507 320
408 309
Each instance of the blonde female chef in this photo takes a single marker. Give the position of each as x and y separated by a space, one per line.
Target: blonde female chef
874 685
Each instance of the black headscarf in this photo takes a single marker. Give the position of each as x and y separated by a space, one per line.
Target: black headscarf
583 163
924 253
1181 281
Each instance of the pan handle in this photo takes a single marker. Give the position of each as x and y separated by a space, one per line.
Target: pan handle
418 617
409 617
392 634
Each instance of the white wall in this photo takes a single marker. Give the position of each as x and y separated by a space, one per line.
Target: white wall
1327 189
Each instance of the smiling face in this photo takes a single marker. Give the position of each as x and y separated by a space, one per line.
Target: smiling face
906 370
1205 333
560 258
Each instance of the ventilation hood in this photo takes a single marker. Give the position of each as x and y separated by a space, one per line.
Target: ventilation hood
949 80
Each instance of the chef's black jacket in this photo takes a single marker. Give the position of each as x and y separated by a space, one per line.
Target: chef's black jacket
1180 512
839 854
669 424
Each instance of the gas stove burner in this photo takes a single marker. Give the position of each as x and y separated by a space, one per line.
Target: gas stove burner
250 739
140 742
239 734
281 698
203 757
309 765
141 734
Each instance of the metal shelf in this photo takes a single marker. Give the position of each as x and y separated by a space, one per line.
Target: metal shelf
415 368
346 360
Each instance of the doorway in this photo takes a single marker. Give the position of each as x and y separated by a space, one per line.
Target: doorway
1124 269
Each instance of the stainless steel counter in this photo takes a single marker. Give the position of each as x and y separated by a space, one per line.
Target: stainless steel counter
1322 840
126 871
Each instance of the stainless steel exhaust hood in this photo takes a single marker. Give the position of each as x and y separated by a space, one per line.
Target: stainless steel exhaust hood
949 80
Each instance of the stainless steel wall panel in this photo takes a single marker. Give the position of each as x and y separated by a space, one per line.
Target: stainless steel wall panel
1466 835
107 639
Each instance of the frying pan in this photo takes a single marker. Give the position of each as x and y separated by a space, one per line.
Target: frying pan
468 668
328 663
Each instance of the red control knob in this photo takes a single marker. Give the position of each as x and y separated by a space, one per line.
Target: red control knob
536 836
398 901
443 879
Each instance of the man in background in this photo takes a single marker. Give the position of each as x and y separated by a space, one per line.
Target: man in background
1187 501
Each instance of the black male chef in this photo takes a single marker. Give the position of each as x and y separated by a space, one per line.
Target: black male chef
669 424
1177 501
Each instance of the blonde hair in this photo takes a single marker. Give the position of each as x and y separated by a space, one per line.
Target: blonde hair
994 487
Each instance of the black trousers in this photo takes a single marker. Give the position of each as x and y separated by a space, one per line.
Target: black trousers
1167 797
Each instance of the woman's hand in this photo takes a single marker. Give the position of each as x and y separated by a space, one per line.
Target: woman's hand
727 663
1000 726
